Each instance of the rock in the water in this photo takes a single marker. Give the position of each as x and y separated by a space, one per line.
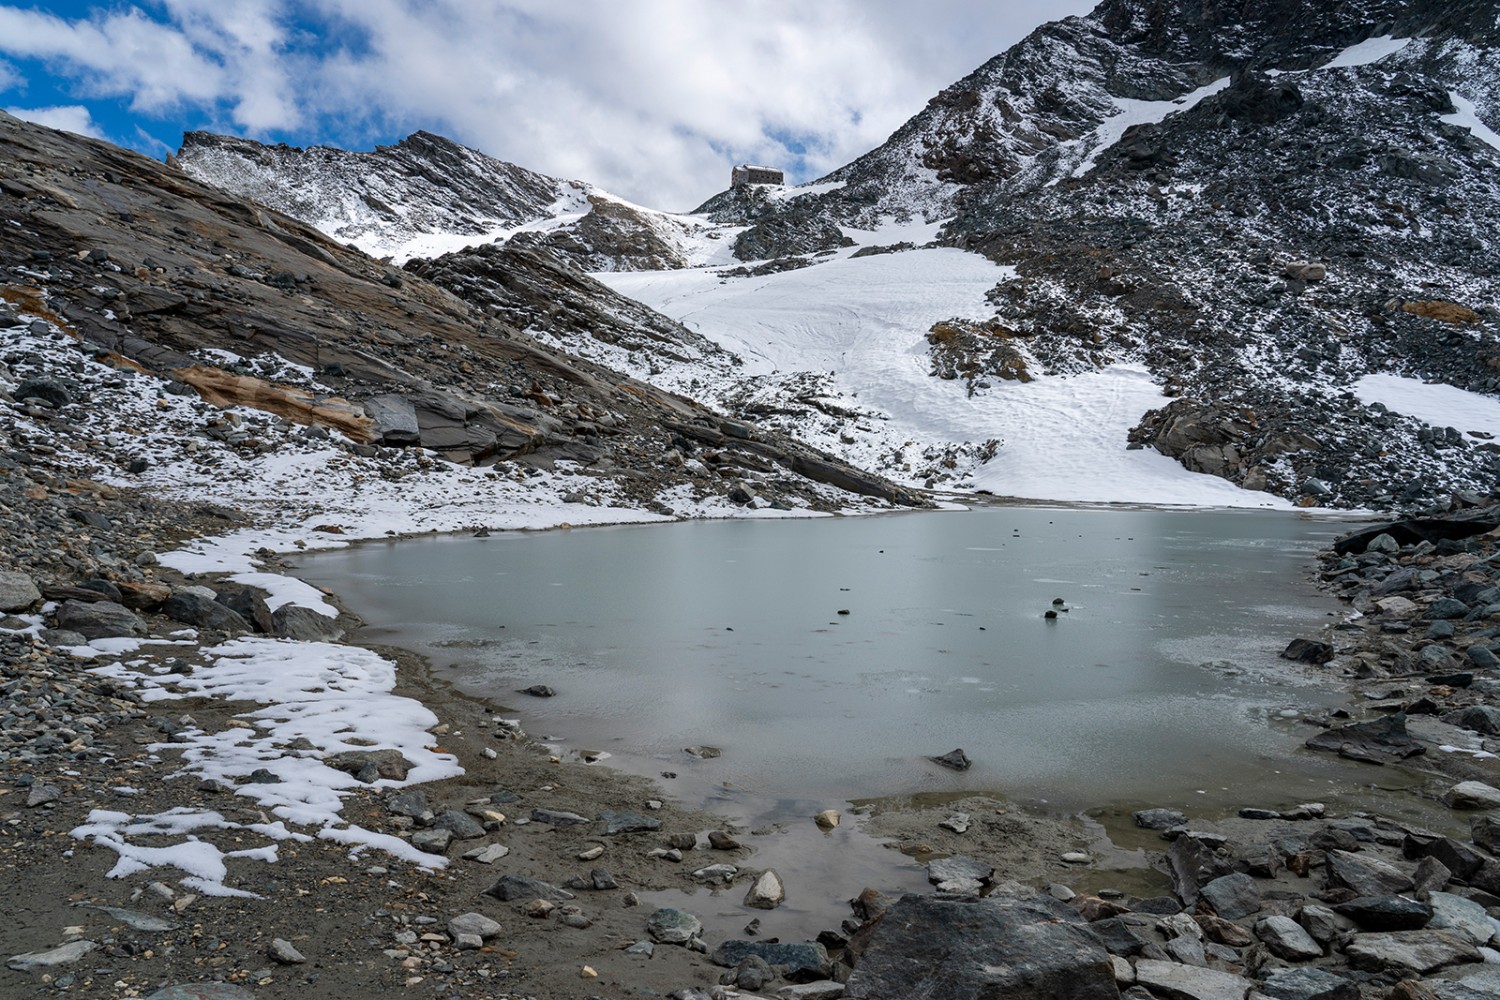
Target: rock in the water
956 759
1366 876
1307 651
1286 938
1412 951
1158 819
511 887
803 960
282 951
827 819
1472 795
473 923
292 621
671 926
767 893
99 619
65 954
1383 741
1016 947
18 592
539 691
627 822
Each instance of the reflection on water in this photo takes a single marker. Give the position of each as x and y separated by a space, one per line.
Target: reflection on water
830 658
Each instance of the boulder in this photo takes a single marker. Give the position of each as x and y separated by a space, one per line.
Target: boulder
802 961
1158 819
1366 876
1307 651
1382 741
1017 947
1482 719
394 420
1467 795
1232 896
1191 866
1286 939
193 608
99 619
370 766
1386 913
1187 982
671 926
18 592
1463 916
956 759
1308 984
1410 951
511 887
292 621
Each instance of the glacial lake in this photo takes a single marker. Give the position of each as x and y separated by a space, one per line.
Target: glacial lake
1159 683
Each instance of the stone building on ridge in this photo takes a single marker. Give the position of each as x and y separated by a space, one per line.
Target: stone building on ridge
748 173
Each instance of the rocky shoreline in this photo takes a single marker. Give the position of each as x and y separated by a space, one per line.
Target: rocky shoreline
136 625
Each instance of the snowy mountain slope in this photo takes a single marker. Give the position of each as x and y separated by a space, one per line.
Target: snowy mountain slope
1147 178
426 196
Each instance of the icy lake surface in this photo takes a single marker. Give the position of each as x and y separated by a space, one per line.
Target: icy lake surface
1160 682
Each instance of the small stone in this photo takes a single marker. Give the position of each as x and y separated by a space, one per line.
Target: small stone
539 691
672 926
539 909
1077 858
958 823
558 817
596 851
955 759
587 972
41 795
627 822
703 752
488 854
641 948
434 841
512 887
720 840
473 923
716 873
767 893
827 819
281 950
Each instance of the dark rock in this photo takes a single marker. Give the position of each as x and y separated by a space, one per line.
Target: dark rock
511 887
1308 984
192 608
1483 719
1386 913
1485 831
1158 819
1410 951
1191 866
1307 651
1382 741
627 822
1459 859
1232 896
370 766
18 592
1118 936
99 619
803 962
956 759
671 926
49 390
1366 876
539 691
558 817
248 603
1447 609
412 803
292 621
461 825
395 420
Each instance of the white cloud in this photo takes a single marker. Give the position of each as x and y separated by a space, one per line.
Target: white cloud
69 118
653 99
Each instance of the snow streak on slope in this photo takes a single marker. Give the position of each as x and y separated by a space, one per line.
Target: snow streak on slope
864 321
1436 404
1134 112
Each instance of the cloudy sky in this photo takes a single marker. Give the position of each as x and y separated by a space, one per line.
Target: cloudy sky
652 99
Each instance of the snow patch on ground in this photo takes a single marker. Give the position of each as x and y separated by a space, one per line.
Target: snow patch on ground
1438 405
862 324
1467 116
1134 112
1368 51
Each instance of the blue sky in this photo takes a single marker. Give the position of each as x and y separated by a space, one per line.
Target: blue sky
651 99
